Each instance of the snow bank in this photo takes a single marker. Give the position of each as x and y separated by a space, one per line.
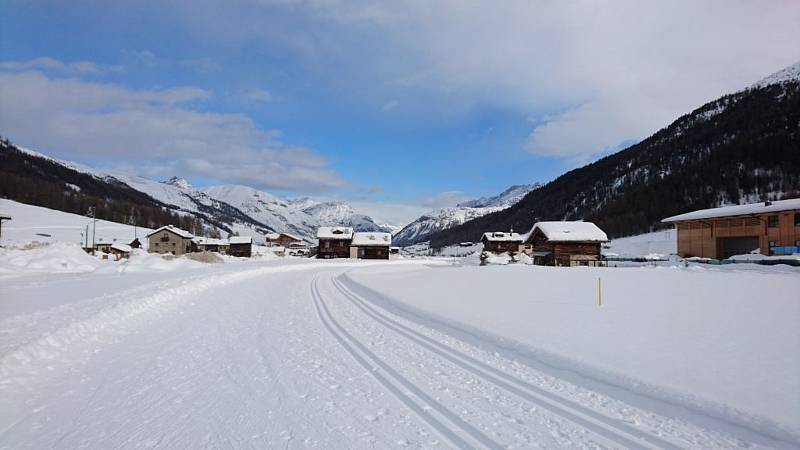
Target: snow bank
59 257
723 342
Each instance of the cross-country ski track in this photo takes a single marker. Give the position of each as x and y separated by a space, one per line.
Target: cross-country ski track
296 356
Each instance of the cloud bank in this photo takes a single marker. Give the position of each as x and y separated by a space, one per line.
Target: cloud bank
162 132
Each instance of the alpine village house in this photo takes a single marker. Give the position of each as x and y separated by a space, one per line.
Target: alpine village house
343 242
552 243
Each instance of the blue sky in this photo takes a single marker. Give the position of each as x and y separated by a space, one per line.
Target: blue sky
397 107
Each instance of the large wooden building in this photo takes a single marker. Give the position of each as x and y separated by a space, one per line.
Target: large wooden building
169 239
501 242
771 228
334 242
565 244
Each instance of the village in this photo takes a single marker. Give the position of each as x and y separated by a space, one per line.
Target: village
765 232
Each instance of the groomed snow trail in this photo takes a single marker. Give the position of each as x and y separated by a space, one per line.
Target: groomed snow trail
282 356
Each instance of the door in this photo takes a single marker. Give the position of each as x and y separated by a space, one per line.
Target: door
737 246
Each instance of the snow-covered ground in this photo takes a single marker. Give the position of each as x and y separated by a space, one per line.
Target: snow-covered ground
718 341
36 224
417 353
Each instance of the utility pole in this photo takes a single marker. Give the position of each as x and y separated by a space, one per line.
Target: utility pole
91 213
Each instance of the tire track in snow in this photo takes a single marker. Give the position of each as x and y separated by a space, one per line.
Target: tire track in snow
621 434
390 379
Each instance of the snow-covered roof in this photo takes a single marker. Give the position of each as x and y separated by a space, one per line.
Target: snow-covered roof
209 241
576 231
738 210
335 233
121 247
176 230
272 236
291 236
502 236
365 239
240 240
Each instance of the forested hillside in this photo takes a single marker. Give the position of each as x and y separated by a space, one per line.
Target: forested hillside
43 182
740 148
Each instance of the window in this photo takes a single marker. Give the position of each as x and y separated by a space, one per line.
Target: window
773 244
772 221
165 238
797 219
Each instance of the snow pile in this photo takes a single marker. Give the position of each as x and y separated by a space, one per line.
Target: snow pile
58 257
723 342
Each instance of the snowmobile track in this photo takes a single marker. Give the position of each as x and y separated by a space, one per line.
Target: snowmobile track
403 389
620 434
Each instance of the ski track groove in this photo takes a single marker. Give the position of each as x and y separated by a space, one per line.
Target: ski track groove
350 343
619 433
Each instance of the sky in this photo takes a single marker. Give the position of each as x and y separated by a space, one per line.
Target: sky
395 107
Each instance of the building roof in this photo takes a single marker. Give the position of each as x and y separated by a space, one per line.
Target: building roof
274 236
502 236
176 230
366 239
577 231
201 240
334 233
240 240
121 247
738 210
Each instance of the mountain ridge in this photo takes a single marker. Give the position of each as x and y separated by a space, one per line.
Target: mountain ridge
738 148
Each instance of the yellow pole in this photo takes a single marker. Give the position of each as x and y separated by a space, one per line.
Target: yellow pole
599 293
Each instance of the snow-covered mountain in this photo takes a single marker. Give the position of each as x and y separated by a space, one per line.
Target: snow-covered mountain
220 209
299 216
787 75
504 199
446 218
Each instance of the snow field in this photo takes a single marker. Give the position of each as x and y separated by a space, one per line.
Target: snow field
507 401
721 343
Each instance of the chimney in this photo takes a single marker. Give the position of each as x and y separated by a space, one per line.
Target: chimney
767 203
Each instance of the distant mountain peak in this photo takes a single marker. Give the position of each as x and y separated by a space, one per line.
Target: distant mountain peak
504 199
178 182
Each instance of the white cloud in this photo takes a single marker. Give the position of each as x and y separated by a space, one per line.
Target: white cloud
158 130
618 70
57 66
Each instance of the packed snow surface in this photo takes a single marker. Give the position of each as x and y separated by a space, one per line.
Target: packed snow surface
719 341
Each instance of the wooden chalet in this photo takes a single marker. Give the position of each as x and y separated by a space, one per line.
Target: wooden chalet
120 251
370 245
501 241
334 242
565 244
770 228
170 240
285 240
241 246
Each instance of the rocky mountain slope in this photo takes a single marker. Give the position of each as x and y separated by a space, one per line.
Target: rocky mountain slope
740 148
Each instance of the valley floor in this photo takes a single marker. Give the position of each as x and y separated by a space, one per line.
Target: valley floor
298 353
